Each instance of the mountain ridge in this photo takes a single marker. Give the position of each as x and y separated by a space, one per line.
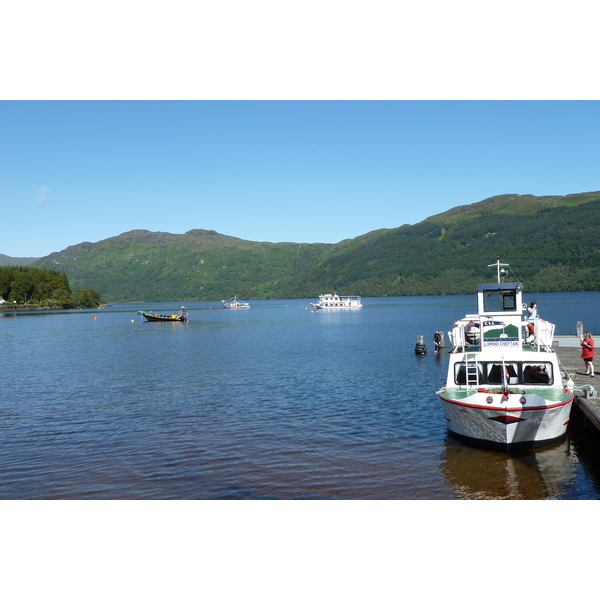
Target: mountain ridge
552 241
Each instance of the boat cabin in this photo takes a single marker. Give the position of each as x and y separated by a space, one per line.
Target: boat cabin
499 321
500 298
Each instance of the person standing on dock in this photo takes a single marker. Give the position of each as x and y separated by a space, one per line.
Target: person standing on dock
437 340
587 353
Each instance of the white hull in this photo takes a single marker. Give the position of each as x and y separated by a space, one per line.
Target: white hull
504 427
317 305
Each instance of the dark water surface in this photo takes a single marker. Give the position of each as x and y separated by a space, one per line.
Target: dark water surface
275 402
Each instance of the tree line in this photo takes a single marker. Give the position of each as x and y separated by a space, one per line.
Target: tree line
42 288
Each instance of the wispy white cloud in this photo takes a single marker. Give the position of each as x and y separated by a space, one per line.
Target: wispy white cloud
43 195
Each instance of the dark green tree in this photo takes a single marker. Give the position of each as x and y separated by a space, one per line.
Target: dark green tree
86 298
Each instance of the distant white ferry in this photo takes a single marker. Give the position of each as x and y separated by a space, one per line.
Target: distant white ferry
335 301
235 303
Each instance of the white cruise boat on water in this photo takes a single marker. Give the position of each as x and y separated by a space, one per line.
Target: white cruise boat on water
504 387
335 301
234 303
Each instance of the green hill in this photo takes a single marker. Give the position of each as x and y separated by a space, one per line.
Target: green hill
552 244
198 265
10 261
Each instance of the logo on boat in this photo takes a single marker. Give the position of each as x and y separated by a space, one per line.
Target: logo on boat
499 333
493 324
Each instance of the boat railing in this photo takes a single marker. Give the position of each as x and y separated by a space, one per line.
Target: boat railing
544 334
465 333
457 337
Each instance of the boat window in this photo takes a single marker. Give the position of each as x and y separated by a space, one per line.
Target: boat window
460 373
526 373
509 301
494 373
537 373
499 301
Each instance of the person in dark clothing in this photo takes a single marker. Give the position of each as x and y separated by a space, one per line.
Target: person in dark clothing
437 340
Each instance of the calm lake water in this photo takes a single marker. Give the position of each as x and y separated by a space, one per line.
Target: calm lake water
276 402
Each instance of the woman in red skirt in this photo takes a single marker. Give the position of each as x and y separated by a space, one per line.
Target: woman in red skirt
587 353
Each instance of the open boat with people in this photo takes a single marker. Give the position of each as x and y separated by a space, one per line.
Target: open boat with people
335 301
150 316
504 387
235 303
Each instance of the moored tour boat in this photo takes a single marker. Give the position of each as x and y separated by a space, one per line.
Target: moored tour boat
235 303
150 316
335 301
504 386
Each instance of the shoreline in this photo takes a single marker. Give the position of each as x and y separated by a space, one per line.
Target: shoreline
29 308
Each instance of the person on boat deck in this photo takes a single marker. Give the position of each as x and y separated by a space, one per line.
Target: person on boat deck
535 374
531 319
587 353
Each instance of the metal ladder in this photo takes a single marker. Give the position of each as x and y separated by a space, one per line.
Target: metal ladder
471 370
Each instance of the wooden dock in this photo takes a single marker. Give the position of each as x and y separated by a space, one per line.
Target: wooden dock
568 349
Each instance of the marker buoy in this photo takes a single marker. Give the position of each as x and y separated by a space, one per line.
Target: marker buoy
420 348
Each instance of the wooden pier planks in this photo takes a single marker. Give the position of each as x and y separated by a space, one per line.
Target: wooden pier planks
569 352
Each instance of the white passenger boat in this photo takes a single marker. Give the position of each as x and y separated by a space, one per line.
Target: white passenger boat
335 301
235 303
503 387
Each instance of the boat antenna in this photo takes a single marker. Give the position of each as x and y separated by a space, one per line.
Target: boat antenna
501 272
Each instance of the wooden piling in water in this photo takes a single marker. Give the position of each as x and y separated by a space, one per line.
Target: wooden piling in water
420 348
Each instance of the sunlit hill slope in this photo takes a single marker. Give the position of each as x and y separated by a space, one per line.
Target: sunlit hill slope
552 244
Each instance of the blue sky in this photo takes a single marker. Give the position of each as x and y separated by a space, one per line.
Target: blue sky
271 121
298 171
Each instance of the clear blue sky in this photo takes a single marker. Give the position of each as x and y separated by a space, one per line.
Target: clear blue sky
274 121
298 171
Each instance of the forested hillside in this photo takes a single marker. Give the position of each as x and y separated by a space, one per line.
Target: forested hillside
199 265
552 244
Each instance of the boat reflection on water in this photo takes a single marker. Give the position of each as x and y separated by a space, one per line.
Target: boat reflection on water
481 474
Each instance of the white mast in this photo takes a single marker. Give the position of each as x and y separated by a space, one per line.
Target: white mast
501 272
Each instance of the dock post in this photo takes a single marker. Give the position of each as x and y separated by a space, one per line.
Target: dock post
420 348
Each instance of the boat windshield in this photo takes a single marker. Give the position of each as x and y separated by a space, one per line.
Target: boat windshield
500 301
